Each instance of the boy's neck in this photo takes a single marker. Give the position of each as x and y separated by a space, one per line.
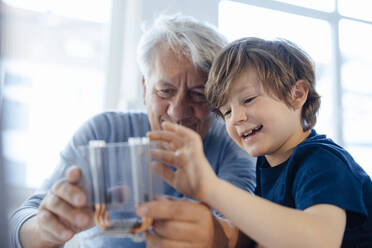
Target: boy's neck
283 153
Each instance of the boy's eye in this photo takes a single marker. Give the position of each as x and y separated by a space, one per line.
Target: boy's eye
226 113
248 100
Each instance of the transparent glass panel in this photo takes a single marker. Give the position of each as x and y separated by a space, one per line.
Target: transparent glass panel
360 9
357 118
90 10
362 155
238 20
355 41
324 5
355 44
54 69
356 75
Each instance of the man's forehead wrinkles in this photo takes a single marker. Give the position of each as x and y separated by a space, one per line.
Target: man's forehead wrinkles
166 83
189 84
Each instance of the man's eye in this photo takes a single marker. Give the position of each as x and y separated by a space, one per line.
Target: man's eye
165 92
197 97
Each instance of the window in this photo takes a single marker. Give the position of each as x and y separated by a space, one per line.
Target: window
53 74
325 5
339 45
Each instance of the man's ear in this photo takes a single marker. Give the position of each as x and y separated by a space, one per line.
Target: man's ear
299 94
144 89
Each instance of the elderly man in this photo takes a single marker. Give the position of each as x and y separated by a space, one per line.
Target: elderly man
175 56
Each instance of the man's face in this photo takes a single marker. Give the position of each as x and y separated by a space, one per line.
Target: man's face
174 92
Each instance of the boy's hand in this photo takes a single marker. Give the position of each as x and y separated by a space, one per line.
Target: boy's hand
194 173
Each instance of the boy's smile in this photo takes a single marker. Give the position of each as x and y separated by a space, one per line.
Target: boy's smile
259 122
246 135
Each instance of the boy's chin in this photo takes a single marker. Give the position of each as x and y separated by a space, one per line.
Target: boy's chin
253 152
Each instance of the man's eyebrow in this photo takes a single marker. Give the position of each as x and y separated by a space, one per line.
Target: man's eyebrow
166 83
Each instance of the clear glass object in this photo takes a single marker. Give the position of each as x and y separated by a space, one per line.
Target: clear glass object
117 177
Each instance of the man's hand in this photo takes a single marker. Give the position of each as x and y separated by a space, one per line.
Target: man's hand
62 213
194 175
185 223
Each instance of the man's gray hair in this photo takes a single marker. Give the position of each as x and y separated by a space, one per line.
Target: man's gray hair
185 35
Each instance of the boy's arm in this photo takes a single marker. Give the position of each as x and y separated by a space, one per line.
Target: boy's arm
273 225
268 223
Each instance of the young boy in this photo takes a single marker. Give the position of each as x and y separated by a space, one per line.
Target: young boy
310 192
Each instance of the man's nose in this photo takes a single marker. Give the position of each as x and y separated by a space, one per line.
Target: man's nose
180 107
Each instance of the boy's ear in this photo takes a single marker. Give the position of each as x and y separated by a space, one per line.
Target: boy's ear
299 94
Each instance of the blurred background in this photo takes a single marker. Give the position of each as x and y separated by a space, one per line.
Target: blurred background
64 61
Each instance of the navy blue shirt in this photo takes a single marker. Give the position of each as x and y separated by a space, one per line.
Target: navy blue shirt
321 172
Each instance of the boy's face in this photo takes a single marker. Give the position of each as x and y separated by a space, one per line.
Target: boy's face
258 122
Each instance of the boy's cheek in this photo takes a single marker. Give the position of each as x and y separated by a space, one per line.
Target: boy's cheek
234 135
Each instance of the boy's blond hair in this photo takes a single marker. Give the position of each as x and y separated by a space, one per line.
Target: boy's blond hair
279 65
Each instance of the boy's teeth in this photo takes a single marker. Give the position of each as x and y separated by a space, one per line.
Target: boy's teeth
248 133
252 130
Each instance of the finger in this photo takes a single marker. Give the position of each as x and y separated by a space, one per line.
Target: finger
73 174
171 138
73 216
178 129
183 210
69 193
163 171
167 157
54 230
155 241
177 230
88 211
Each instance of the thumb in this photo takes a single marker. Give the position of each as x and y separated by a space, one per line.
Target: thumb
73 174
